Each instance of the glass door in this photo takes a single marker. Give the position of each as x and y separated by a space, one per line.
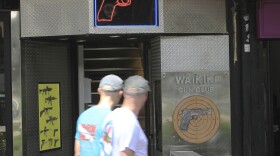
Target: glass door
2 93
5 65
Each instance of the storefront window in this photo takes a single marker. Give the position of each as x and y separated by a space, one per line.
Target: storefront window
2 93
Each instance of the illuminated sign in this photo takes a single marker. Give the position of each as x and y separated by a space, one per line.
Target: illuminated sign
126 12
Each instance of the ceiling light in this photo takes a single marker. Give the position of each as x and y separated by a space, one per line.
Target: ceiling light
80 41
114 36
132 38
63 39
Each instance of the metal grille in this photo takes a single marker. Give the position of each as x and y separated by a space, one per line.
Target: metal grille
194 16
155 59
52 18
194 53
46 62
123 60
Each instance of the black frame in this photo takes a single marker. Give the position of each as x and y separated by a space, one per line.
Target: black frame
5 17
235 78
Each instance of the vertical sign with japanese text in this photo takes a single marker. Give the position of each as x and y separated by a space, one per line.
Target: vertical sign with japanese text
49 116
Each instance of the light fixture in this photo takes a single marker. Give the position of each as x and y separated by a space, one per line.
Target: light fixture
114 36
63 39
80 41
131 38
14 14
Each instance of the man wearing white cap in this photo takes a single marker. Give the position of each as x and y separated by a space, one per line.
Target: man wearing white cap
123 135
89 124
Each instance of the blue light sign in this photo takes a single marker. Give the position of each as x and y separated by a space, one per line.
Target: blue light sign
125 13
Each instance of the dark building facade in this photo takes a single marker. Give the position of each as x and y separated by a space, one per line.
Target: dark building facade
212 66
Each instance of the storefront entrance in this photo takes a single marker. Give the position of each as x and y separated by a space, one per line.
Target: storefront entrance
120 55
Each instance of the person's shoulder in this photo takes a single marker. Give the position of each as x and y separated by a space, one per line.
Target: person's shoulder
114 114
90 109
122 115
87 111
118 112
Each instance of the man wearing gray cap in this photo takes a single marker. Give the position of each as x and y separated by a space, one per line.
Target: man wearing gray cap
123 135
89 124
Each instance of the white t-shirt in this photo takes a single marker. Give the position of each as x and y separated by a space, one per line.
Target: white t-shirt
126 132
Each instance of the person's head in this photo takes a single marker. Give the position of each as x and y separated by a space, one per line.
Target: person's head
110 87
136 87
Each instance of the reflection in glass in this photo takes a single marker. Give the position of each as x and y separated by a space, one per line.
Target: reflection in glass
2 93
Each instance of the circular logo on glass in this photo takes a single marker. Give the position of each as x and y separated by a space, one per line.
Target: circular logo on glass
196 119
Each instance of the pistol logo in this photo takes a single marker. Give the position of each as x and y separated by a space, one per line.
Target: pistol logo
108 7
192 114
196 119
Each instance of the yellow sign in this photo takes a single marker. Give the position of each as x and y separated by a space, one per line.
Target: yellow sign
49 116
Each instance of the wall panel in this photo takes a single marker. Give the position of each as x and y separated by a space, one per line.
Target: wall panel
46 62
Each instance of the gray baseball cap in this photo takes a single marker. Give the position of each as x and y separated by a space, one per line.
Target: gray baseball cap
136 85
111 83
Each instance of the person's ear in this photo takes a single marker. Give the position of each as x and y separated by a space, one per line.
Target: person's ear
121 92
99 90
124 95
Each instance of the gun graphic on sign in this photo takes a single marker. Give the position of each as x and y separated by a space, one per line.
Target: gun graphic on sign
50 141
51 119
107 9
43 142
190 114
45 110
45 90
55 142
45 130
50 99
54 131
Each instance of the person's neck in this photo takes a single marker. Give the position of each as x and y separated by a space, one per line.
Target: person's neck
106 103
132 106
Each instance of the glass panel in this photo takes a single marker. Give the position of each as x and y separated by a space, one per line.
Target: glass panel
2 93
